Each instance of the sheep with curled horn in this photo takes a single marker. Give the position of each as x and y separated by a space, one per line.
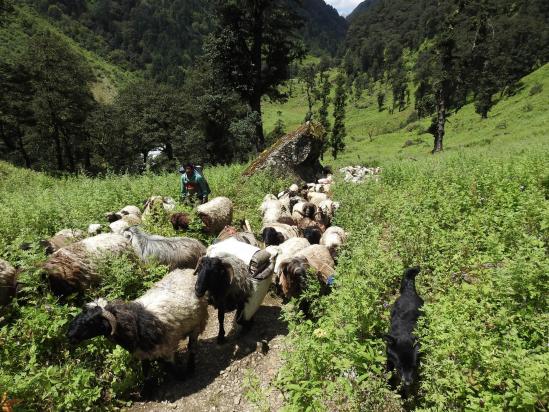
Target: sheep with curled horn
151 326
61 239
231 284
8 282
294 277
277 233
175 252
74 269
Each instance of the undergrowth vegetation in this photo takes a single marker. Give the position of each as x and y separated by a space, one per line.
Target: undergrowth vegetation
479 227
40 370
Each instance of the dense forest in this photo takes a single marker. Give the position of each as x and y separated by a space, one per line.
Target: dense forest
199 71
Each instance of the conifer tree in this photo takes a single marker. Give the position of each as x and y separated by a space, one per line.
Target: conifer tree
337 141
324 97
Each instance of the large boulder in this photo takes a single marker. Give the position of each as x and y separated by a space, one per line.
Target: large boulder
295 155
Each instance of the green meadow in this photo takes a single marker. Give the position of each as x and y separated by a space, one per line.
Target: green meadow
475 218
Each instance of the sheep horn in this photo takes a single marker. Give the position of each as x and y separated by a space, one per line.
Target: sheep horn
110 318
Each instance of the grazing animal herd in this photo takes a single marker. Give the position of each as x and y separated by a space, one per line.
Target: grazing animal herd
233 274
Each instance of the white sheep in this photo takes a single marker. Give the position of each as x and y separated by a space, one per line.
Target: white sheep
273 209
216 214
126 221
151 326
316 198
286 250
333 238
303 210
176 252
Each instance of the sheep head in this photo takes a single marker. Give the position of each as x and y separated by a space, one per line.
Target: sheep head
312 234
271 237
213 276
94 320
293 276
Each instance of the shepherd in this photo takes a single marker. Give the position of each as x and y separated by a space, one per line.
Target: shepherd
194 186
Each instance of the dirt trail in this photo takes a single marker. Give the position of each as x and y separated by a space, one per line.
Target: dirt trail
219 381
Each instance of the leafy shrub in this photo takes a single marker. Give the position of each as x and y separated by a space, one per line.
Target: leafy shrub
39 369
535 89
480 238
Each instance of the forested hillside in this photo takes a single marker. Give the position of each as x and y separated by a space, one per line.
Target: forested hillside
163 39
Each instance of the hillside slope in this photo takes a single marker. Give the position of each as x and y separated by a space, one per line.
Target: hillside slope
20 23
375 136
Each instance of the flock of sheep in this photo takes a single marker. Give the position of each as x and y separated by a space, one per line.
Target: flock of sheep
235 273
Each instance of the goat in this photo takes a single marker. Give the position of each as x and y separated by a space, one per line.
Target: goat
402 345
175 252
227 281
151 326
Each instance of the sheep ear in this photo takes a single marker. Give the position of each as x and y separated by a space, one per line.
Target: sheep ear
198 266
229 270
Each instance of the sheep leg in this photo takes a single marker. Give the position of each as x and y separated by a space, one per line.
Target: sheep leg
246 324
148 380
191 348
221 320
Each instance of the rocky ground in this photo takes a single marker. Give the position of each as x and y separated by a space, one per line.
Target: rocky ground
235 376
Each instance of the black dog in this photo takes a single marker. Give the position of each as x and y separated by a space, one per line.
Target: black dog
402 345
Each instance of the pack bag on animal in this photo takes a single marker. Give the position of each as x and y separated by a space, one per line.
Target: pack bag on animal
231 283
151 326
402 345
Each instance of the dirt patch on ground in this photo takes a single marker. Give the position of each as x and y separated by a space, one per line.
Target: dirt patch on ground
224 372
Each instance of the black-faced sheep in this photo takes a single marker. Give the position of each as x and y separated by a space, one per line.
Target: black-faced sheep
180 221
73 268
303 210
216 214
333 238
151 326
312 234
8 282
175 252
294 272
94 229
402 345
61 239
277 233
229 285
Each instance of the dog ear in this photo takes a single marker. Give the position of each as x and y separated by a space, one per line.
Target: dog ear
391 340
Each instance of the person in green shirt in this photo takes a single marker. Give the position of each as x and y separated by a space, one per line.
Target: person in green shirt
193 185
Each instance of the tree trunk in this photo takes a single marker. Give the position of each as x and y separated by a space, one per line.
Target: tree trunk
23 151
169 151
255 97
441 121
58 152
69 154
255 104
145 154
